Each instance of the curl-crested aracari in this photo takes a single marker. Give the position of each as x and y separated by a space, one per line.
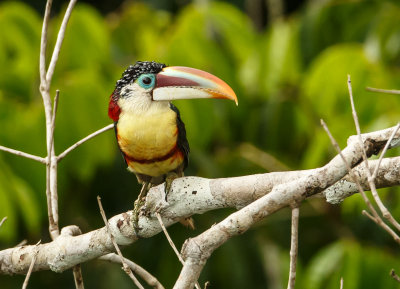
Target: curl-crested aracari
149 130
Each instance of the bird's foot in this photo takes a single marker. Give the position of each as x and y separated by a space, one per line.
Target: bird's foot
139 204
171 176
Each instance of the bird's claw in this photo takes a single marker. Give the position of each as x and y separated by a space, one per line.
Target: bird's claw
140 201
171 176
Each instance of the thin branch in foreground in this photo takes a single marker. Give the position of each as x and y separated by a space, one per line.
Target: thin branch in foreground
74 230
74 146
341 283
138 270
374 174
77 272
171 243
52 169
371 180
28 275
388 91
53 125
125 267
355 180
384 211
294 245
394 275
356 122
60 38
3 220
44 91
43 43
22 154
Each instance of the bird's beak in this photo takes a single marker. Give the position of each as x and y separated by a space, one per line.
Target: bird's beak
178 82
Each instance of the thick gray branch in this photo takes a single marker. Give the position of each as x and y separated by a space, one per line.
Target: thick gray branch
257 195
196 251
388 176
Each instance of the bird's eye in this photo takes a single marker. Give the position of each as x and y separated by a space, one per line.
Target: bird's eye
146 81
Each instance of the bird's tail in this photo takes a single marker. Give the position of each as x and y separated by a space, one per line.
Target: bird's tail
187 222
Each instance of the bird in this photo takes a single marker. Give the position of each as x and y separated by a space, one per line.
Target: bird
148 127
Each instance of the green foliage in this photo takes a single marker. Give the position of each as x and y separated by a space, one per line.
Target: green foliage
19 48
287 77
360 267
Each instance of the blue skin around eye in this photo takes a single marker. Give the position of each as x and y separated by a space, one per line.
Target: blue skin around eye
147 86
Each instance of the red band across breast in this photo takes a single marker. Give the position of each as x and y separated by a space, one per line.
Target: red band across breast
168 155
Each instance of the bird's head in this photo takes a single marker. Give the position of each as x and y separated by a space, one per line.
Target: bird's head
149 84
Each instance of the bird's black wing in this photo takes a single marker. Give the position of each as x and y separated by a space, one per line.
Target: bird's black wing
116 136
182 141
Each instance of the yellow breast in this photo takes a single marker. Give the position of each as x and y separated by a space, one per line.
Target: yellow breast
147 138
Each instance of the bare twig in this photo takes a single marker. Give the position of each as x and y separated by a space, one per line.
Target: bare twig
77 272
92 135
53 125
22 154
43 44
60 39
365 213
145 275
3 220
52 179
356 122
171 243
28 275
375 217
384 151
389 91
22 243
125 267
45 92
394 275
371 180
51 174
294 246
384 211
74 230
341 283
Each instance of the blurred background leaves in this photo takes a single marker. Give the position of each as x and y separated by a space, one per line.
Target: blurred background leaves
289 69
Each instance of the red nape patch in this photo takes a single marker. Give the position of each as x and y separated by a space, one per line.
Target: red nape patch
113 109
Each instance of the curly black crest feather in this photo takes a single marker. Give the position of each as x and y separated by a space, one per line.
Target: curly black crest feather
134 71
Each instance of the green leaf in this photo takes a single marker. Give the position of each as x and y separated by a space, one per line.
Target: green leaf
323 265
16 197
19 49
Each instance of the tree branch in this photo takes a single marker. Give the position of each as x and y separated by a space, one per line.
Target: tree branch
43 45
22 154
2 221
294 245
75 145
76 270
138 270
388 91
60 39
257 195
125 267
28 275
196 251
